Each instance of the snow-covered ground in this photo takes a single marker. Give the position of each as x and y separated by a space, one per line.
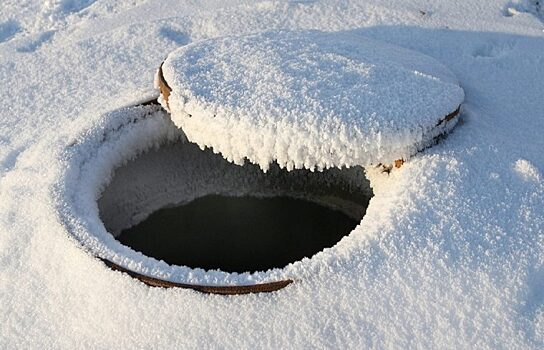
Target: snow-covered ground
450 253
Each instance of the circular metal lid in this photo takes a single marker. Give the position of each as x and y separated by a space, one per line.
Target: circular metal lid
308 99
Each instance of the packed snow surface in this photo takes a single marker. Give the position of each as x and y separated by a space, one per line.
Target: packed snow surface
450 253
309 99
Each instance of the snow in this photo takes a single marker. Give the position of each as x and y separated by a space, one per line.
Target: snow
309 99
449 255
527 171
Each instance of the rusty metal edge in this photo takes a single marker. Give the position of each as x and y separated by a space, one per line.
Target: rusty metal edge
221 290
449 116
163 86
399 162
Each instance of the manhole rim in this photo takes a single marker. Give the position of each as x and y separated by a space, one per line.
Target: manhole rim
78 227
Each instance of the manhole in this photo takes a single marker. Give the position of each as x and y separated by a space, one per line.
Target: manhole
193 208
292 119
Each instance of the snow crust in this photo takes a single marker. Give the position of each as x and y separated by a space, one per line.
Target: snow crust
309 99
450 253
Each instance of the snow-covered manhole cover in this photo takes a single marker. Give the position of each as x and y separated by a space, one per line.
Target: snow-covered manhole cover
308 99
282 105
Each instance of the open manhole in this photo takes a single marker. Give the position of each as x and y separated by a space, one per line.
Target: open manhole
191 207
264 139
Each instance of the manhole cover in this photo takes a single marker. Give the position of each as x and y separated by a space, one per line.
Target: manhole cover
308 99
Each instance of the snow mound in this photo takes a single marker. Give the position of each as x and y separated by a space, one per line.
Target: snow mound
309 99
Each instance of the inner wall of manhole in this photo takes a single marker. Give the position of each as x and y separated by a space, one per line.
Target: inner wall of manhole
193 208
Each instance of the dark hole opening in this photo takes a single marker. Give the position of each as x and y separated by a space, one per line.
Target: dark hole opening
238 234
193 208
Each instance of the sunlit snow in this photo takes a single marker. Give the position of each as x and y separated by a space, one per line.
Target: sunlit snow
450 253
